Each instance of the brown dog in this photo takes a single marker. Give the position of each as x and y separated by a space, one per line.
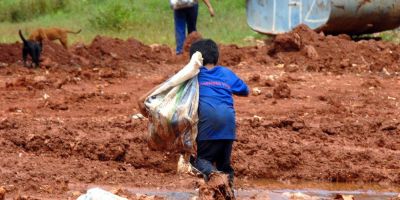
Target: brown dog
51 34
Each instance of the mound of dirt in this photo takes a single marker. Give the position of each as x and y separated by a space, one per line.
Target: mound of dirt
190 39
233 55
10 53
316 52
299 50
54 54
106 51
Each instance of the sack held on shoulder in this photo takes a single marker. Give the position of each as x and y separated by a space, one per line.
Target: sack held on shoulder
173 109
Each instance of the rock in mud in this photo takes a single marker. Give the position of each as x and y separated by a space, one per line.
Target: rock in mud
298 125
38 79
344 197
311 52
269 83
281 91
256 91
255 121
292 68
255 78
286 43
217 188
297 196
389 125
19 197
2 193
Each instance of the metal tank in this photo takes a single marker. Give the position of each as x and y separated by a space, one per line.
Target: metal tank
352 17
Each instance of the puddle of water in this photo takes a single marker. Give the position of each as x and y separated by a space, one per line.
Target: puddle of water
283 194
272 190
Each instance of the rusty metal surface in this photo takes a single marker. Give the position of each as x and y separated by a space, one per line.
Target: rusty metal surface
330 16
362 16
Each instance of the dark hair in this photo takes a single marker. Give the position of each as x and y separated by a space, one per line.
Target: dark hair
208 49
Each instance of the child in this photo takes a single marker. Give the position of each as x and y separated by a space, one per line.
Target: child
216 126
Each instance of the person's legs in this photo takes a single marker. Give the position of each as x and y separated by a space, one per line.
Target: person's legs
205 155
191 18
216 151
223 161
180 29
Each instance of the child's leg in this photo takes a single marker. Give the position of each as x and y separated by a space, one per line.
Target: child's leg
205 155
223 160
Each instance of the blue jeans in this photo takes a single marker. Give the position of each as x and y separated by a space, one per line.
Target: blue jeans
182 18
214 151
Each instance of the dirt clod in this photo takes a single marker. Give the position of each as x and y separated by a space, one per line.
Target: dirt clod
2 193
281 91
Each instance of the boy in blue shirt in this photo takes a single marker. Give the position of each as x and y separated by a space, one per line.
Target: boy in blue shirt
216 126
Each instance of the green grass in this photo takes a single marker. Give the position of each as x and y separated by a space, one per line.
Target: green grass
392 36
150 21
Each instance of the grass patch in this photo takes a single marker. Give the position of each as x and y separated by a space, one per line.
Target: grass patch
114 15
391 36
25 10
149 21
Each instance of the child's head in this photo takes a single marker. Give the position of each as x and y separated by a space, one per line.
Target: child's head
208 49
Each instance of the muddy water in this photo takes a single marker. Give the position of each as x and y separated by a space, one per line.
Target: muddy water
279 191
283 194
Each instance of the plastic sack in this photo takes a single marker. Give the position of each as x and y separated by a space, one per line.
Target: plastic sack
99 194
173 109
179 4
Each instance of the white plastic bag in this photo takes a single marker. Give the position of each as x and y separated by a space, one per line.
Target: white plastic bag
99 194
173 109
179 4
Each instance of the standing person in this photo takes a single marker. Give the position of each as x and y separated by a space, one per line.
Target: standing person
216 126
185 15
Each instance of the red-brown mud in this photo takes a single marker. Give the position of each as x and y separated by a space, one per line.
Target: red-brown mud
335 117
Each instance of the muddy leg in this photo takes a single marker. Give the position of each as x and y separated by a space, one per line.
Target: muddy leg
223 163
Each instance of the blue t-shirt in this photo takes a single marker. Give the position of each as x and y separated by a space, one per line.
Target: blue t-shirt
216 112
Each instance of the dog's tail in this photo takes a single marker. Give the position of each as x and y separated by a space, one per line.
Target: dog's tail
21 36
68 31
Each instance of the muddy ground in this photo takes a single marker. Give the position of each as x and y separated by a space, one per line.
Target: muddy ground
326 109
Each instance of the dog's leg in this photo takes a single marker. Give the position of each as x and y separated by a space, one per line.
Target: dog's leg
35 61
24 55
64 42
36 56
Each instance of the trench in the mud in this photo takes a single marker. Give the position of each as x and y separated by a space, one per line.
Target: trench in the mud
272 190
